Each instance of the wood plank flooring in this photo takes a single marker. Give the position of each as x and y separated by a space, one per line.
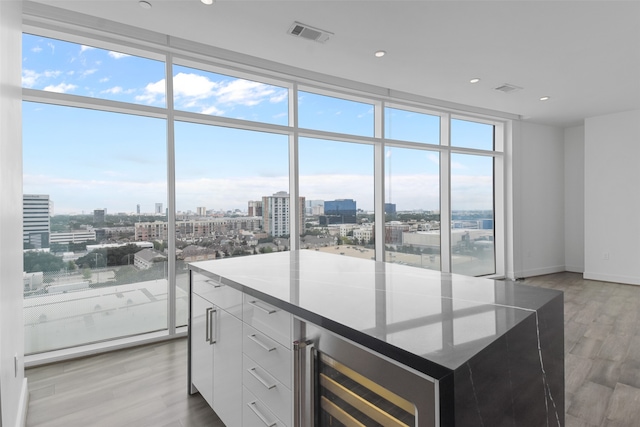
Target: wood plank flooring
142 386
602 350
146 386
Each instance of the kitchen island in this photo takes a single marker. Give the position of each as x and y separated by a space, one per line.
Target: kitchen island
489 352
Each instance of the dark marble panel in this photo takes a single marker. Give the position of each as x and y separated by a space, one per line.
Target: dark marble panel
519 379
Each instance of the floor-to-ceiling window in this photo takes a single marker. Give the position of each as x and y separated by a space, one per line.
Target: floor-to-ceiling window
142 174
472 198
412 187
100 171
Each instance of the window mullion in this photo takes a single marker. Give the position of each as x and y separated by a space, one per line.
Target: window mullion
171 199
445 194
295 228
378 177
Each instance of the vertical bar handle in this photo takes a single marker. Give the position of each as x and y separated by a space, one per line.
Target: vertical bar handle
212 327
303 384
207 323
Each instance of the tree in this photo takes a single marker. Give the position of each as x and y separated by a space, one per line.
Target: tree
42 261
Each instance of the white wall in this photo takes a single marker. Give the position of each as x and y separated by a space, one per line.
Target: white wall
574 199
13 390
612 197
538 200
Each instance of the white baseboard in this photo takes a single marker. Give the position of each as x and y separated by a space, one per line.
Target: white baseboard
23 405
541 271
627 280
575 268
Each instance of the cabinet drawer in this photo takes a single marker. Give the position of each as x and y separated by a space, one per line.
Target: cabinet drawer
256 414
275 396
270 320
270 355
224 296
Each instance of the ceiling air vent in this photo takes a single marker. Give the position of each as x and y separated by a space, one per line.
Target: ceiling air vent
508 88
309 33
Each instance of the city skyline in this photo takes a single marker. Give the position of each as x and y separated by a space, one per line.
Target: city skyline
86 158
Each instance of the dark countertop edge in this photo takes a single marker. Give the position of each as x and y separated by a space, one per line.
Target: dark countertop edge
419 363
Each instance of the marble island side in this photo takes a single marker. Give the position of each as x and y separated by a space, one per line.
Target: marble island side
494 349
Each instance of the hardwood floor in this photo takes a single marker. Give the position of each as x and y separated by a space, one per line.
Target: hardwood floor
146 386
602 350
143 386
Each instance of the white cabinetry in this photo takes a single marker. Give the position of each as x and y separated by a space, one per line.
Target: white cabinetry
267 365
201 349
241 355
216 347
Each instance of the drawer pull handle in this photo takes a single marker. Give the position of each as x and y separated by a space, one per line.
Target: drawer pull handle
268 309
215 284
255 339
264 382
254 408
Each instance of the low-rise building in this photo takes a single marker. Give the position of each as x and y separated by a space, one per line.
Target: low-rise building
147 257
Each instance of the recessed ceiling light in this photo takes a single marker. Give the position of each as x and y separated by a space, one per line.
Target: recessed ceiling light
545 98
476 80
207 2
145 4
380 53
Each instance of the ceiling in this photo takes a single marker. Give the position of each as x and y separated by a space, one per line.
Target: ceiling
584 55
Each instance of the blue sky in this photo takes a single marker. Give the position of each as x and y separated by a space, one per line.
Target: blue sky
88 159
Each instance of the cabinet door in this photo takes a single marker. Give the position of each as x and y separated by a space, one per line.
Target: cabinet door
227 367
201 349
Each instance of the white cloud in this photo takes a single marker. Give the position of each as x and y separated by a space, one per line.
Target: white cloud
279 96
368 113
52 47
458 166
84 48
77 195
117 55
434 158
36 49
89 72
192 86
114 90
244 92
213 110
104 80
226 193
31 78
194 91
153 93
60 88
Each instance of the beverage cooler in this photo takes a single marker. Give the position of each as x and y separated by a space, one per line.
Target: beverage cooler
339 383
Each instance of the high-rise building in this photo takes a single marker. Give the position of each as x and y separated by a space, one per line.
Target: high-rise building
36 225
314 207
158 208
201 210
254 208
275 214
390 208
138 209
99 216
339 211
